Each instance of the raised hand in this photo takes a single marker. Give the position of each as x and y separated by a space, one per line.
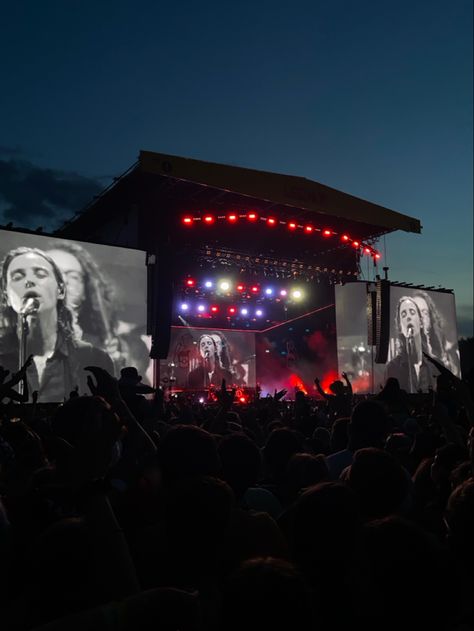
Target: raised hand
105 385
279 395
224 396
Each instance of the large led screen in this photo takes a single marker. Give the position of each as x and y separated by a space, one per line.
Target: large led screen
64 291
420 322
200 358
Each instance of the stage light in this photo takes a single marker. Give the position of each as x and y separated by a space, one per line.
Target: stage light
345 237
271 221
232 218
259 313
309 229
242 399
232 310
224 285
292 225
269 291
254 289
209 219
367 250
244 311
378 255
327 233
188 221
214 309
190 282
252 216
355 244
201 308
283 292
184 307
297 294
240 287
208 284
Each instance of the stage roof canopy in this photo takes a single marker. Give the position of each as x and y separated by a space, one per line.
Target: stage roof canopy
161 184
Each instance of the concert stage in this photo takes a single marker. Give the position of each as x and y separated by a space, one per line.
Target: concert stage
216 270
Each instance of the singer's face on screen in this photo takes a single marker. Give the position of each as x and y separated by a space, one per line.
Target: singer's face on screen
409 318
73 275
31 276
207 346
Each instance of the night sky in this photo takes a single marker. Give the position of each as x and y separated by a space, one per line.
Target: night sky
372 98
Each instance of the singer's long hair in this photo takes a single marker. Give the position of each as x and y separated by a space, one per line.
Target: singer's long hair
224 356
97 314
9 317
435 335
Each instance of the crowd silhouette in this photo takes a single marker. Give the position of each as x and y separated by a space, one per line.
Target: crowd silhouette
125 511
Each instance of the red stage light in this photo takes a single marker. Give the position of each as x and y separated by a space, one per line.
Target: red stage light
271 221
214 308
367 250
208 219
254 288
242 400
252 216
355 244
292 225
327 233
188 221
232 218
190 282
240 287
378 255
345 237
232 310
308 229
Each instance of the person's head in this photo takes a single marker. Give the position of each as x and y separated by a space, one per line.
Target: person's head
241 462
86 286
207 346
379 482
369 426
266 593
337 387
408 317
31 273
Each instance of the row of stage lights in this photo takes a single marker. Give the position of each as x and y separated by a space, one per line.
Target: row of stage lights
227 287
202 310
273 222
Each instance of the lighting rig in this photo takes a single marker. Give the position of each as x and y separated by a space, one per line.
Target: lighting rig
274 222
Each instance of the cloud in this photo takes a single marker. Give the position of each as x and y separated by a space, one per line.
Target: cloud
31 196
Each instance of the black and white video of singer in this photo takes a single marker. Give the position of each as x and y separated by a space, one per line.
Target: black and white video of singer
34 309
409 366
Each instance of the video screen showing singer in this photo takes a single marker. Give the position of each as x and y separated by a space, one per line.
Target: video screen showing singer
33 310
409 366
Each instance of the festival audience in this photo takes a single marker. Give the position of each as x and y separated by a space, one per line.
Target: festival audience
119 511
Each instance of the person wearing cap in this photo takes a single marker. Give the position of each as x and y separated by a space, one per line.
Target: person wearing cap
132 390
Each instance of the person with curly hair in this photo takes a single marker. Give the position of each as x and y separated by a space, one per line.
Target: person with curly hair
34 296
433 326
91 300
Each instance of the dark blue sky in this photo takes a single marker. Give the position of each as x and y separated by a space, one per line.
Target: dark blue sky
370 97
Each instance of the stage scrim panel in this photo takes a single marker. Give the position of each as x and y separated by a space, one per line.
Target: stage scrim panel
420 322
200 358
106 291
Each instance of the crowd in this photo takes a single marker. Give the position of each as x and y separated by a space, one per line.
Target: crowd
120 511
